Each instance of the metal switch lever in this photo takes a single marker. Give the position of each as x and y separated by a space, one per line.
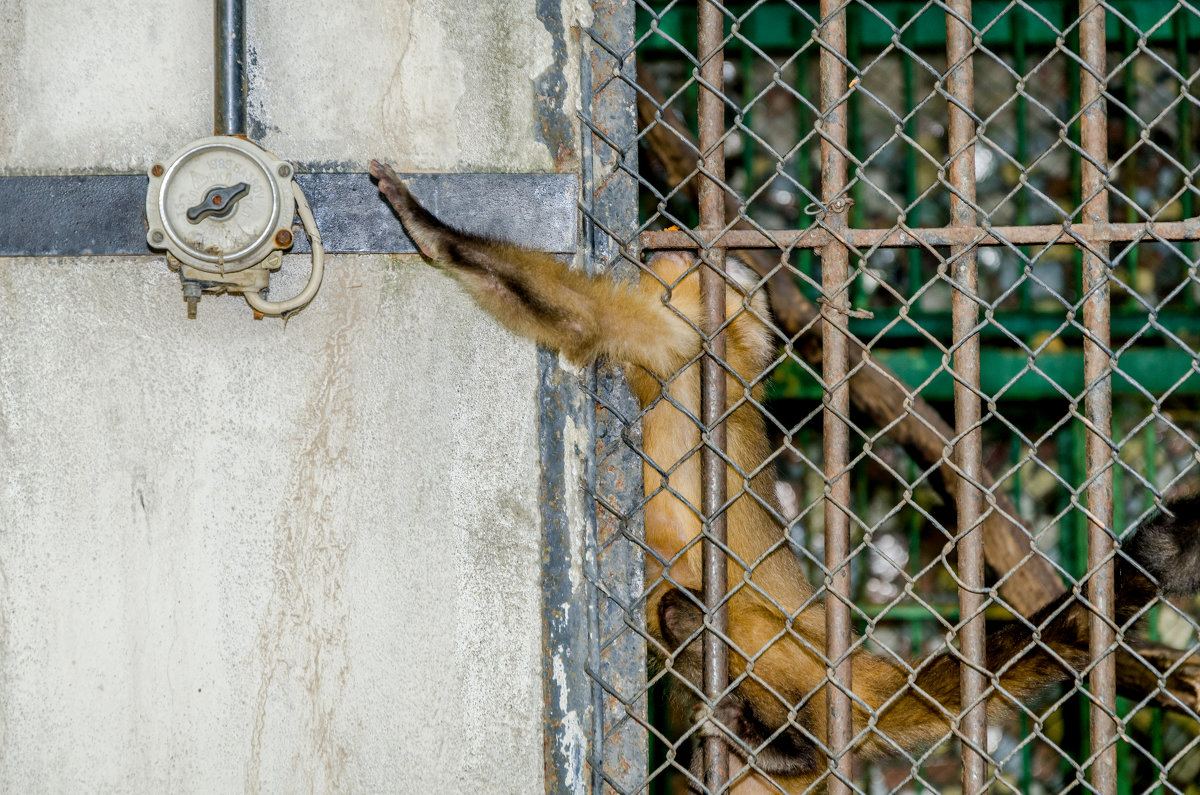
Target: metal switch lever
219 202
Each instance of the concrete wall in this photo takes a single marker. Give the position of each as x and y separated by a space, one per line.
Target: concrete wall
238 556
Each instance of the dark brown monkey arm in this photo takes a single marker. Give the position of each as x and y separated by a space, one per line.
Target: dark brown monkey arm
538 296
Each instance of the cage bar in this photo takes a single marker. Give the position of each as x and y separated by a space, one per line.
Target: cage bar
1179 25
711 115
930 237
968 454
1056 169
1021 65
912 208
835 283
1098 400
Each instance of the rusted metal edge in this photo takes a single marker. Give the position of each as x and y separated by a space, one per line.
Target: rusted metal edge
619 757
567 688
835 278
711 116
1098 400
968 448
818 237
572 711
555 125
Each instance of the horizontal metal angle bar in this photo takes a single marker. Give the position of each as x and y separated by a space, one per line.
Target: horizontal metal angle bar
815 237
1010 374
56 216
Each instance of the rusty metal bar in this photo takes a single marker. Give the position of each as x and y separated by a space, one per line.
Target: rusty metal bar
819 237
1098 400
711 115
835 282
968 449
615 568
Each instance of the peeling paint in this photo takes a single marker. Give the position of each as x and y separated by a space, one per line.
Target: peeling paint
565 446
576 441
572 738
556 128
613 207
258 124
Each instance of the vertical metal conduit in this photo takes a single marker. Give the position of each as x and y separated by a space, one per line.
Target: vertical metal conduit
960 84
835 283
1098 399
229 78
711 113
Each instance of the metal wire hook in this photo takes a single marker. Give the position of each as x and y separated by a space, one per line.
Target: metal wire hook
836 207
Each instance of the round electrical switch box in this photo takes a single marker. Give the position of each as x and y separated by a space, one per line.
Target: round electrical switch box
220 205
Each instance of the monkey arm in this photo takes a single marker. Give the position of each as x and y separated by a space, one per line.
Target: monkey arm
536 295
776 628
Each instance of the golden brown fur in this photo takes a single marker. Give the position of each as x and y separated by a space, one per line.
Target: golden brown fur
774 621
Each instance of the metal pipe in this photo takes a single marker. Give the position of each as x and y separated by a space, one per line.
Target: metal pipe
968 449
1098 400
711 119
863 239
835 284
229 78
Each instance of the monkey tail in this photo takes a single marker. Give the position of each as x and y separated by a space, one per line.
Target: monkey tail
915 708
1167 548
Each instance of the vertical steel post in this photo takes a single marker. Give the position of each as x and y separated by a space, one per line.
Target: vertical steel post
1183 45
619 756
229 73
968 455
1098 398
835 283
711 112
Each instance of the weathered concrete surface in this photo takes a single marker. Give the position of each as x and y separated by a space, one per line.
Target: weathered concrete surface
242 557
101 87
234 555
428 85
239 555
432 86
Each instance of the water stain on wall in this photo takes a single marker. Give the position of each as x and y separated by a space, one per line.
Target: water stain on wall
302 641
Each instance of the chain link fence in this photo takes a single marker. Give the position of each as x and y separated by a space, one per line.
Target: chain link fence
974 226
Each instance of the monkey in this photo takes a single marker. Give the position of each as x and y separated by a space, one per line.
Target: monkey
775 718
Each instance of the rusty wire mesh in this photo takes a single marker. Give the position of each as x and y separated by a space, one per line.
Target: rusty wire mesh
1010 188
